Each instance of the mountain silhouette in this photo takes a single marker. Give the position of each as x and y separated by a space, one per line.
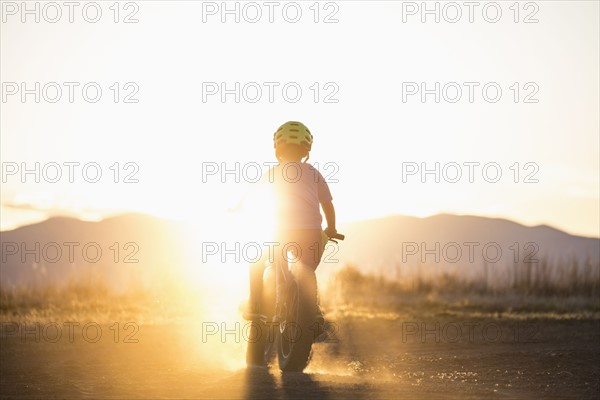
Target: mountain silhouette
115 251
463 245
141 249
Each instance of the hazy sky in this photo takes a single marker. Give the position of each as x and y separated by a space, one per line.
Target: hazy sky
361 77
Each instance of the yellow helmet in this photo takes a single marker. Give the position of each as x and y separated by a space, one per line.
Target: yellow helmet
293 132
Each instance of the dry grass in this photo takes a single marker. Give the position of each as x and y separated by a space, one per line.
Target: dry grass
92 300
542 287
523 287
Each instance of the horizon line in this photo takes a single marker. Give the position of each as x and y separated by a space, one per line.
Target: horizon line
123 213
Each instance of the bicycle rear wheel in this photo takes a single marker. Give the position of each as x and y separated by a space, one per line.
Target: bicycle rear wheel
295 336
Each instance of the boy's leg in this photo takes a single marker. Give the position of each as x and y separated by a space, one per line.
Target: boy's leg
311 243
284 238
308 250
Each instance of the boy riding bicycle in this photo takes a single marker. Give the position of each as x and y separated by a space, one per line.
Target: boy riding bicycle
300 192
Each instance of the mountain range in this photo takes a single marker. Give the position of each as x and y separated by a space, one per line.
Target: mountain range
137 249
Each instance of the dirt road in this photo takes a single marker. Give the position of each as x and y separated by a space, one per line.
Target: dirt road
381 357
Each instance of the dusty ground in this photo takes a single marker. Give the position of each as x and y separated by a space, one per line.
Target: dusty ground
380 356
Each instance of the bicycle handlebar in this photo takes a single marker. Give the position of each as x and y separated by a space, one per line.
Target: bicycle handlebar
338 236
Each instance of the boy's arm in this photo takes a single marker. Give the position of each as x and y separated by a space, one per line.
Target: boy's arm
329 211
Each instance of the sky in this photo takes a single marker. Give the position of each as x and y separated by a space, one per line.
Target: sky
490 111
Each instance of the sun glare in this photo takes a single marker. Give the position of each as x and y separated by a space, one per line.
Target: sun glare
219 247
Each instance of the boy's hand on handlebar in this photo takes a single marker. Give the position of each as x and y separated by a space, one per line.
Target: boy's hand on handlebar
330 232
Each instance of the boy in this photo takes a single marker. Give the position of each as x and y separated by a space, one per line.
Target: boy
299 191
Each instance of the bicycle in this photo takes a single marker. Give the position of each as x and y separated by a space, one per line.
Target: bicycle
288 317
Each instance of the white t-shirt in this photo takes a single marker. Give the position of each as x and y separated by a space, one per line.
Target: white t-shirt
299 188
